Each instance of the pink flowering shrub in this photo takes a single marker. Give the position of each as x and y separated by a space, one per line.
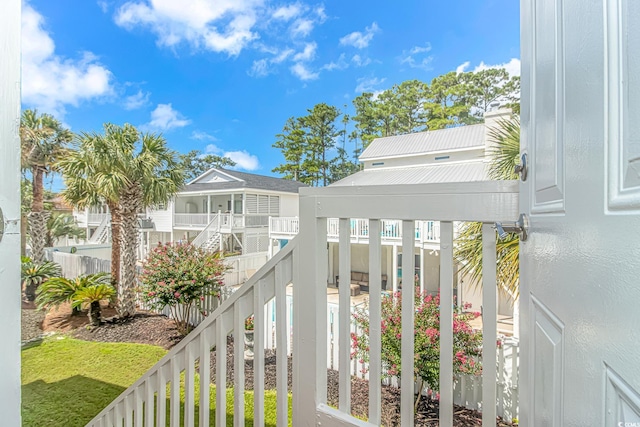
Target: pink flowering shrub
180 276
466 341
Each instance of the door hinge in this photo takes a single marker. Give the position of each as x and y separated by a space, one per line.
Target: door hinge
522 168
518 227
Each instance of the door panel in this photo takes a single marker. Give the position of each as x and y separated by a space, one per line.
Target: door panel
580 293
623 61
548 173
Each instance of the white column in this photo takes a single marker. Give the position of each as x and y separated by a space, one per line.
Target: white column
10 203
332 277
208 208
422 269
394 268
516 318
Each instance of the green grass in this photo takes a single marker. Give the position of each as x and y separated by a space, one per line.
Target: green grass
66 382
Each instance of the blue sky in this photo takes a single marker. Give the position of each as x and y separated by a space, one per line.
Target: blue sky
222 76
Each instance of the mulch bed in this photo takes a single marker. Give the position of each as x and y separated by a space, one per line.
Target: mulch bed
147 328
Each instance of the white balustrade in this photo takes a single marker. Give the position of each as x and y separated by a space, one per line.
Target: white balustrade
190 219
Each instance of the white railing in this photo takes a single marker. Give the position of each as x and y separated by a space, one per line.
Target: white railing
101 234
190 220
391 230
304 262
155 399
96 218
284 226
211 230
485 202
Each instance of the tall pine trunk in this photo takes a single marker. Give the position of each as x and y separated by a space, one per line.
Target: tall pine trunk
129 203
38 217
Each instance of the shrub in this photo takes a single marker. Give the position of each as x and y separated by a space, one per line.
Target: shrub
180 276
466 341
35 274
59 290
91 297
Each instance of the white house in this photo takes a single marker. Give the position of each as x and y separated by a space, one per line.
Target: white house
228 209
442 156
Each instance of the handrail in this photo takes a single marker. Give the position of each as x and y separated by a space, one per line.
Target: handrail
102 230
244 302
204 235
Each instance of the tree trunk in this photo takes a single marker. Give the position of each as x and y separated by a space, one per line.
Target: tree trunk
126 305
115 244
38 234
37 217
95 313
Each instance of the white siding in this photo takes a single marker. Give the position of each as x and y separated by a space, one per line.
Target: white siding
162 219
289 205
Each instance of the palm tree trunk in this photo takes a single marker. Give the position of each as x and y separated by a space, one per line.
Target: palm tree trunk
95 313
38 217
115 243
129 243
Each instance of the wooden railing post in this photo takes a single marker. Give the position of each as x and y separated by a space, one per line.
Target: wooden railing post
309 313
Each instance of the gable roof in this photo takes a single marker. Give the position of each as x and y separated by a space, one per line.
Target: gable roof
436 173
242 180
457 138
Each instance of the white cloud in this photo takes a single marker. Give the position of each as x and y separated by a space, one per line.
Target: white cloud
281 56
260 68
103 5
302 72
243 159
212 149
288 12
136 101
512 67
340 64
319 10
368 84
462 67
360 40
51 82
203 136
416 58
302 27
360 61
165 118
307 54
216 25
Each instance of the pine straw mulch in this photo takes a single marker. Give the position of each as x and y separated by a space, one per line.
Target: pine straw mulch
148 328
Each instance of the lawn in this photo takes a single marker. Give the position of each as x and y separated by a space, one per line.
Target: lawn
66 382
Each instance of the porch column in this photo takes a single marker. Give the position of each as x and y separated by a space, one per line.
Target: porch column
394 268
421 269
331 277
208 208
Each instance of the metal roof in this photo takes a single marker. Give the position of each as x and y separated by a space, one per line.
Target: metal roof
247 181
425 142
437 173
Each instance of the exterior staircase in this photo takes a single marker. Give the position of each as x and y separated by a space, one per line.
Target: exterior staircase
211 236
102 234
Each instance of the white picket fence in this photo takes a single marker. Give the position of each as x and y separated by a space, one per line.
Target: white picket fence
74 265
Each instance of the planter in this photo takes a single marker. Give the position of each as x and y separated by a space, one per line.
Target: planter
248 345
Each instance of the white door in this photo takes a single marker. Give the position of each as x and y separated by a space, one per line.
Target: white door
580 267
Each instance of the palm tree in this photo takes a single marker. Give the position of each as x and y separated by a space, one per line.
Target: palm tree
43 140
59 290
129 171
34 275
61 225
91 296
504 153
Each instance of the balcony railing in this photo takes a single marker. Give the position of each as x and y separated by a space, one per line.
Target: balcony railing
96 218
391 230
190 219
156 397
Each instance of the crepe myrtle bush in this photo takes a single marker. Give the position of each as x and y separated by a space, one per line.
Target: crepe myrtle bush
467 342
180 276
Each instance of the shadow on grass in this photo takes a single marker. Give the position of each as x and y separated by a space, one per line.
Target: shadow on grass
73 401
